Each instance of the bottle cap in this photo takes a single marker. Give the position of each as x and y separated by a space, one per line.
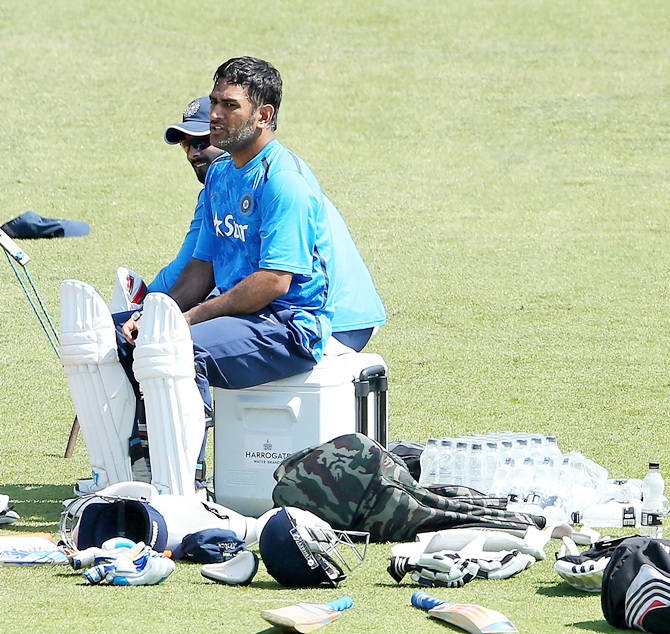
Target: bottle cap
654 465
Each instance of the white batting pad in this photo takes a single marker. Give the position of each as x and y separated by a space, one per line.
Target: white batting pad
163 364
102 395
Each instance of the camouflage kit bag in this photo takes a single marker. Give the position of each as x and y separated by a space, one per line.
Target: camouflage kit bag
353 483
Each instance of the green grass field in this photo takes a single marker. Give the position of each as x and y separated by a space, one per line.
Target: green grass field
504 169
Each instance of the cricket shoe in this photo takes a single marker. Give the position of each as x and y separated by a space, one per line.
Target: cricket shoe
7 515
86 487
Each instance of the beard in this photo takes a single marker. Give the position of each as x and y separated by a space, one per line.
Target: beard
240 138
200 169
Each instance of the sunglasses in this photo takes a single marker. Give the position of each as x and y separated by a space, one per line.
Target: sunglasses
199 144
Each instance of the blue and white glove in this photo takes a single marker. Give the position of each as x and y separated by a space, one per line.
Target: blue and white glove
136 566
109 550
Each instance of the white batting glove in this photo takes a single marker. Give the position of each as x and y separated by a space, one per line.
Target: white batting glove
445 569
147 568
508 565
109 550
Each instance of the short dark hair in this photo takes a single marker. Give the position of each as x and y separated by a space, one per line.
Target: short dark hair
261 79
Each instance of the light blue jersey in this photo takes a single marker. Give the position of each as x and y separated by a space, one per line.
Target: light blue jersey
271 214
352 295
167 276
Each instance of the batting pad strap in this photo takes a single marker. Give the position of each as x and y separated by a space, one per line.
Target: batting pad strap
175 415
102 395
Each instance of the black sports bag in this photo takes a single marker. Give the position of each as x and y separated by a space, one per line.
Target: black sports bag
636 585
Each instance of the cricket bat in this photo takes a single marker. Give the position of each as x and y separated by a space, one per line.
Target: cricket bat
307 617
469 617
30 548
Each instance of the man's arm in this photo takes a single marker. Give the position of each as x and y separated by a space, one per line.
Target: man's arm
251 294
167 277
194 284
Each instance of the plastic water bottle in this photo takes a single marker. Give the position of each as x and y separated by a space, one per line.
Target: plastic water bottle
428 463
445 459
624 489
520 449
490 452
460 463
476 467
502 479
653 487
523 479
551 449
544 482
609 515
505 450
536 449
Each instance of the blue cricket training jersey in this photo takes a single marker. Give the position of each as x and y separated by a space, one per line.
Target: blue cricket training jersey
271 214
352 295
167 276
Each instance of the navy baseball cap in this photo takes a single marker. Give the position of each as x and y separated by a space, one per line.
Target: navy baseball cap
32 225
133 519
209 546
195 121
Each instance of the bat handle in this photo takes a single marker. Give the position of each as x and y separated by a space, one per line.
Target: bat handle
340 604
424 601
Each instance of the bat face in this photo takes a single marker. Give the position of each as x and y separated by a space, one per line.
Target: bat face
306 617
473 618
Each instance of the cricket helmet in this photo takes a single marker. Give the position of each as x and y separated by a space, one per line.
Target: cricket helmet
300 550
93 519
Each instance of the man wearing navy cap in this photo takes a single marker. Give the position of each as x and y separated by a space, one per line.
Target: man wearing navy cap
327 284
359 308
193 136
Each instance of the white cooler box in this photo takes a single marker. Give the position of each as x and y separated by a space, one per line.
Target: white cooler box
258 427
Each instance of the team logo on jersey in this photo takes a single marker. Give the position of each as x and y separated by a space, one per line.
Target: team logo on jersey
246 204
191 109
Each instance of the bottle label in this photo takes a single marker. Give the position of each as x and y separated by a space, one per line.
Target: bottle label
628 516
651 519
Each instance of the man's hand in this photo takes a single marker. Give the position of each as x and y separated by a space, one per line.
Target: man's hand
251 294
131 328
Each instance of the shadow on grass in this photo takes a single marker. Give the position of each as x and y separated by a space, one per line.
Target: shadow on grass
562 590
565 590
39 506
594 626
